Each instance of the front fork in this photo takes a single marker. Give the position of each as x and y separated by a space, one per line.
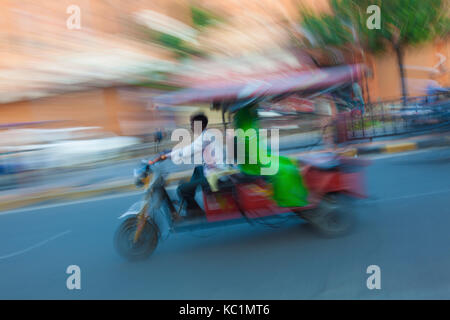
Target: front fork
143 216
141 220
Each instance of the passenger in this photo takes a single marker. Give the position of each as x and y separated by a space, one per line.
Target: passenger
288 187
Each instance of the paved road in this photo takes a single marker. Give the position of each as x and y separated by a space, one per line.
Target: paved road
403 228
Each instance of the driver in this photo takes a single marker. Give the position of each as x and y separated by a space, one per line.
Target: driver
186 191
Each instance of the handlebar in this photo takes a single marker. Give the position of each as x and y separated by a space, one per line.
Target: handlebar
141 173
157 159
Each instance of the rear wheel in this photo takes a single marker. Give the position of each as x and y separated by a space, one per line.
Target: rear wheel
333 217
141 249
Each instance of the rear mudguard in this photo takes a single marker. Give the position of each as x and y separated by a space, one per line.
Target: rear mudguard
321 182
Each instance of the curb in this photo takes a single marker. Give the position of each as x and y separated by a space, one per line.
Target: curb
56 195
64 194
399 146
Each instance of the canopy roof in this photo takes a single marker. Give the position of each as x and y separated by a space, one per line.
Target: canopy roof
272 85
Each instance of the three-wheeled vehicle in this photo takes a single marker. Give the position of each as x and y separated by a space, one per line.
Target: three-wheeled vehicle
333 181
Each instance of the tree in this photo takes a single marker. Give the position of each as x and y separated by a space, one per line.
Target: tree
180 38
202 18
402 23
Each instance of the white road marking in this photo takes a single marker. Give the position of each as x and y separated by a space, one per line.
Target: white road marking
425 194
39 244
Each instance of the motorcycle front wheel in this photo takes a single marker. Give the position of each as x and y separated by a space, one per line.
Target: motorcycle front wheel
141 249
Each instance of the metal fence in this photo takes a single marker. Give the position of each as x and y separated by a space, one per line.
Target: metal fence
388 118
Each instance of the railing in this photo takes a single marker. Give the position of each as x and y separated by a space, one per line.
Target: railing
387 118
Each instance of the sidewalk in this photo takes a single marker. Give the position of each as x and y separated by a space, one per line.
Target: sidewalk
399 145
117 177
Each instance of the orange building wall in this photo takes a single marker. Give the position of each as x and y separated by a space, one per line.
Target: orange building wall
385 83
101 107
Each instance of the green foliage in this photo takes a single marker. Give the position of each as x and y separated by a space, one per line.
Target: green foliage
170 41
202 18
157 86
178 46
402 23
327 30
183 49
415 21
443 27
